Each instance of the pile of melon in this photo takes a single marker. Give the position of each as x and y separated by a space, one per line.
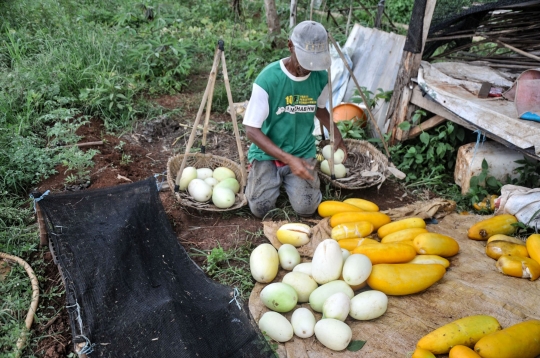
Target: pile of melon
481 336
514 257
204 184
339 156
398 258
326 283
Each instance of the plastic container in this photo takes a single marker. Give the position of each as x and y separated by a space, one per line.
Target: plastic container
500 159
348 111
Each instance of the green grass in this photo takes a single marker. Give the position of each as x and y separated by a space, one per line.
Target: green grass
332 193
229 267
18 238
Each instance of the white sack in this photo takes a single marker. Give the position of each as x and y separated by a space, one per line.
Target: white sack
522 202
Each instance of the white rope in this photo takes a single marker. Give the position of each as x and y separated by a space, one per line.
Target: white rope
235 298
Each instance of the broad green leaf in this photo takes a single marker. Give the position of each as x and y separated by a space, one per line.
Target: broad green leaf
441 149
484 164
355 346
492 182
404 126
460 133
473 182
424 138
482 177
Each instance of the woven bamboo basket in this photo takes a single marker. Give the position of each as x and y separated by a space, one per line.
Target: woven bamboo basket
199 160
365 164
206 160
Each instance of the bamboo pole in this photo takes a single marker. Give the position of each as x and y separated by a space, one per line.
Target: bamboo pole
233 117
331 125
526 54
197 119
212 84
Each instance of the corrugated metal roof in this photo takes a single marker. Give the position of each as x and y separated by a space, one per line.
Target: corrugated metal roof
497 116
376 59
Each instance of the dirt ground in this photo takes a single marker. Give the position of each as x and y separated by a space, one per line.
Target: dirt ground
149 146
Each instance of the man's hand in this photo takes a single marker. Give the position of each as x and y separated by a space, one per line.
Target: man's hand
300 167
324 118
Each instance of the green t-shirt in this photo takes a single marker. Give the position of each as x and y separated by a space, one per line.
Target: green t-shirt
292 107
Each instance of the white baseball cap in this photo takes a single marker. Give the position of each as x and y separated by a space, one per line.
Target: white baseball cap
310 41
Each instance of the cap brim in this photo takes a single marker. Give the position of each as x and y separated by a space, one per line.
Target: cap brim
313 62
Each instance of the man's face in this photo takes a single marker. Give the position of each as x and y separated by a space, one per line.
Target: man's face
300 71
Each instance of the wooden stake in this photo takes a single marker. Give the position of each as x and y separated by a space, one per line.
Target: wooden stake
81 145
212 83
424 126
43 238
233 118
198 118
410 62
526 54
331 129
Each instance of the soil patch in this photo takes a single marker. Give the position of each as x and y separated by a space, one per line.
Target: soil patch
144 152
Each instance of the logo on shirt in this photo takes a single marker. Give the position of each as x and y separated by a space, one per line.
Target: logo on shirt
298 104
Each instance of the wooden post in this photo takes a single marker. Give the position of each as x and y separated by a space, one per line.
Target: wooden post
292 16
400 134
272 19
348 21
233 119
410 63
43 239
424 126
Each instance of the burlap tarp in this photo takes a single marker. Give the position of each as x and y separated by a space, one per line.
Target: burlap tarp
471 286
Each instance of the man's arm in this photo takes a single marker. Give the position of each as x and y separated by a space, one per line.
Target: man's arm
324 117
299 167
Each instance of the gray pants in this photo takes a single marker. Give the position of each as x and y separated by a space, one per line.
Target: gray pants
264 181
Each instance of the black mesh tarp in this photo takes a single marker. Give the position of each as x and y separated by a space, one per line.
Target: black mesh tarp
132 290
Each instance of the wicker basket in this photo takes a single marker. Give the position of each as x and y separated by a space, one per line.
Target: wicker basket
199 160
366 166
206 160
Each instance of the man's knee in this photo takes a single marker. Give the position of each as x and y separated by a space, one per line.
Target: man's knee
262 188
306 203
260 209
